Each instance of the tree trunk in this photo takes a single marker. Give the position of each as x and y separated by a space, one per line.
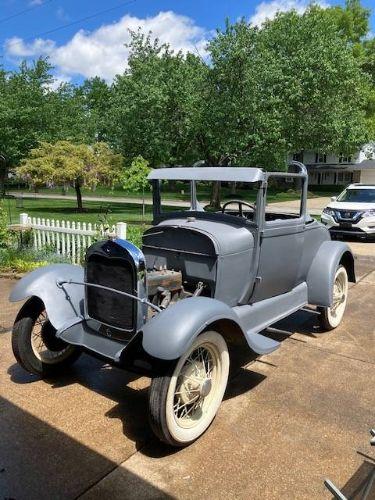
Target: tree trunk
215 196
77 187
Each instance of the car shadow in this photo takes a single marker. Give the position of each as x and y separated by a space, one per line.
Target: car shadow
40 462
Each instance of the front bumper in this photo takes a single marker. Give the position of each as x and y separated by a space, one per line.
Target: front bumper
365 227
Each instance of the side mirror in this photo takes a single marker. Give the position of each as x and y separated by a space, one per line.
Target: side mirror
333 198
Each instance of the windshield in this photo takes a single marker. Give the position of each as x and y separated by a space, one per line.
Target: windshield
358 196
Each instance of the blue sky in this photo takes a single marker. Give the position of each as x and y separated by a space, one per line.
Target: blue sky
96 46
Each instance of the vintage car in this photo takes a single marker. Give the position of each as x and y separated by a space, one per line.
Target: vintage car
171 309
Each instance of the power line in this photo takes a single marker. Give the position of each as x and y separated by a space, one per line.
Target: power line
24 11
67 25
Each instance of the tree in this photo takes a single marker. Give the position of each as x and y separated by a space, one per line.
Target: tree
78 164
155 102
134 178
96 95
24 112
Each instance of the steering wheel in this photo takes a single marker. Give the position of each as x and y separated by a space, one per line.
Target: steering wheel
240 205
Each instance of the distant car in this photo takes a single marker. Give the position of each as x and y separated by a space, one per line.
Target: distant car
170 310
352 213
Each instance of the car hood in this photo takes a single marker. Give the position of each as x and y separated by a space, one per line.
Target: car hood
343 205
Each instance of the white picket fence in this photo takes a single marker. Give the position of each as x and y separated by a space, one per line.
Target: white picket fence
69 239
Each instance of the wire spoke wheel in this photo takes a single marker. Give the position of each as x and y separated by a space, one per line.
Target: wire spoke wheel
46 347
332 316
34 341
191 396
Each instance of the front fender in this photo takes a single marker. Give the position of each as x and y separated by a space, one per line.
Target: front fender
170 333
322 271
62 305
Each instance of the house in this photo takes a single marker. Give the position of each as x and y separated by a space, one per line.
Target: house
330 169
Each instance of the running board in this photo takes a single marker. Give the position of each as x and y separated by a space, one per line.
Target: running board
258 316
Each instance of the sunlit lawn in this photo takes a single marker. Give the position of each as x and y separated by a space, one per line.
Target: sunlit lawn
95 212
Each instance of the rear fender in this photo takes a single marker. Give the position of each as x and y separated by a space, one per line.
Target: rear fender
63 305
170 333
322 271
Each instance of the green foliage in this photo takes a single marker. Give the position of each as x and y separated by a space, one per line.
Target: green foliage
63 162
4 232
25 260
134 234
155 103
134 178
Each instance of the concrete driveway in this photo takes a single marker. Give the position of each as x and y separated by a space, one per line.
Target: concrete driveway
289 420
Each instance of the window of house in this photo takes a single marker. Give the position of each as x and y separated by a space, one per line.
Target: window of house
340 177
298 156
348 176
320 158
345 158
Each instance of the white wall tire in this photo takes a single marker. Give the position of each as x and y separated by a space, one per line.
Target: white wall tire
331 317
184 403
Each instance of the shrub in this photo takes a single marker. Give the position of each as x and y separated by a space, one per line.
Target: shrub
25 260
5 236
134 234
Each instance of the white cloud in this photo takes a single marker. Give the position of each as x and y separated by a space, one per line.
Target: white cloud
36 2
102 52
268 10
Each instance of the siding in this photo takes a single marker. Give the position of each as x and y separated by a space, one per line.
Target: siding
368 176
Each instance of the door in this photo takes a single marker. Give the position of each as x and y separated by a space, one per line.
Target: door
281 249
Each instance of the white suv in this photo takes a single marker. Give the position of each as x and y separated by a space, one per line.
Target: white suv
352 212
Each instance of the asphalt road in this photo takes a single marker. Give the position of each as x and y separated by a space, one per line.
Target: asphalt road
289 420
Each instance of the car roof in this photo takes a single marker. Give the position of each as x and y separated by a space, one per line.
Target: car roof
239 174
361 186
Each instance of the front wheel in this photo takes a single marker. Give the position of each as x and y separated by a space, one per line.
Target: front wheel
34 342
183 404
331 317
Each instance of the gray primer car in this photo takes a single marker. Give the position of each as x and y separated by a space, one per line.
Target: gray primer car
171 309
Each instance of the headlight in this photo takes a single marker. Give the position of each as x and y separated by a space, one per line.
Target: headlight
329 211
369 213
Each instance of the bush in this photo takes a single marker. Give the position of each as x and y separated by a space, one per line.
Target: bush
134 234
22 261
5 237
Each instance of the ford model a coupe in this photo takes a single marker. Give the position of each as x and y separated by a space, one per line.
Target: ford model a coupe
170 309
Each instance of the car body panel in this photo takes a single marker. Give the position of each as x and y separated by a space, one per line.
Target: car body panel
64 306
322 271
169 334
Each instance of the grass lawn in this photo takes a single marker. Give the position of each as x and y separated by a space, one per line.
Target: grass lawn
66 209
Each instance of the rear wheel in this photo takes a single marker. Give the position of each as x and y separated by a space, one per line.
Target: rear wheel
331 317
34 342
183 404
